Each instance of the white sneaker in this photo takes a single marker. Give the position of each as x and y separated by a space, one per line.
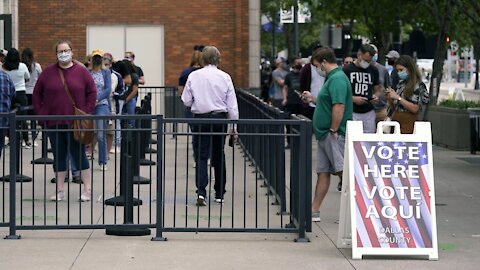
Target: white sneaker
103 168
85 197
60 195
316 217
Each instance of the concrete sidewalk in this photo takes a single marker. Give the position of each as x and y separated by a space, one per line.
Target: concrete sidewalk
457 178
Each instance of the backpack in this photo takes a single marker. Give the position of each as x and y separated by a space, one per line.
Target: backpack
120 91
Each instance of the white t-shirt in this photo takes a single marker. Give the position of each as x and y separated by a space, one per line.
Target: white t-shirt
316 83
36 70
114 86
19 76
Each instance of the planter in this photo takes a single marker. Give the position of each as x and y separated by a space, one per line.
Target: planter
450 127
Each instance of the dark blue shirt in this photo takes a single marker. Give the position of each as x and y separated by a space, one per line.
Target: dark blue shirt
184 76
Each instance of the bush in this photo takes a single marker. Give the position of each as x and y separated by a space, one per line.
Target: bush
460 104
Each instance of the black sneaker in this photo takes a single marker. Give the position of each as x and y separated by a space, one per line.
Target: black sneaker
77 180
339 186
54 180
201 201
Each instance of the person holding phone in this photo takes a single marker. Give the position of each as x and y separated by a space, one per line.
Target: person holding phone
333 109
407 103
364 80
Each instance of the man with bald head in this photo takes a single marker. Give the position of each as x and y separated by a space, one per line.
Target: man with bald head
210 93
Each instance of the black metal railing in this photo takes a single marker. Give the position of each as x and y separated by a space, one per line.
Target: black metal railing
163 191
268 153
474 129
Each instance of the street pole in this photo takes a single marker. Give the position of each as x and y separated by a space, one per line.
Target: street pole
465 69
449 65
295 29
274 18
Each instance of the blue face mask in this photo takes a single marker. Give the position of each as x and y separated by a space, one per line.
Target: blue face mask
374 58
403 75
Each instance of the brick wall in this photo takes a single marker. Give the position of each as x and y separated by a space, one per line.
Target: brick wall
186 23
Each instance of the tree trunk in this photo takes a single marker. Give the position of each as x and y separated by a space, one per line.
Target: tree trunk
437 72
440 51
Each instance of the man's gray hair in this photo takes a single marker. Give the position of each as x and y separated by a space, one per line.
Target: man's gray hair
211 55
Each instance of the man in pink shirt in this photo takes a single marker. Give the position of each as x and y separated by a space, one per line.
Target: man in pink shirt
210 94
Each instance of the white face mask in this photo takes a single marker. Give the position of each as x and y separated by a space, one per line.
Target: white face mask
64 57
364 64
321 72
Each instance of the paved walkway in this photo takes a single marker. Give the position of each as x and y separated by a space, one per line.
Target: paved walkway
457 177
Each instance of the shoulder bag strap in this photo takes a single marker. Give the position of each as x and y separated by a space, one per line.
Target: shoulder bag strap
66 88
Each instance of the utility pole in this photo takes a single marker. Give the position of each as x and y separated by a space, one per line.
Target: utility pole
295 29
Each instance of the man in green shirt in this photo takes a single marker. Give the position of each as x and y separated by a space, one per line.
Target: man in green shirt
334 108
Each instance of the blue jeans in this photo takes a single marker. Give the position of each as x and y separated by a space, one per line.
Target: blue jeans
63 144
118 134
101 125
210 146
129 108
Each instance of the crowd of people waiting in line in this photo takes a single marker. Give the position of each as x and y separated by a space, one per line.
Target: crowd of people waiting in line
374 93
99 86
362 90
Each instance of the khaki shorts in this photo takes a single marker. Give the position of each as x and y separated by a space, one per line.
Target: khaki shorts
330 154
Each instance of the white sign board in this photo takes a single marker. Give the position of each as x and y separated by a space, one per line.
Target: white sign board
304 14
388 198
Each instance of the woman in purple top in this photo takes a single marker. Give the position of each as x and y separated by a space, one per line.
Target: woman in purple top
50 98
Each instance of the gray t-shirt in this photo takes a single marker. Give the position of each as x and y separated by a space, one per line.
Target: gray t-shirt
276 75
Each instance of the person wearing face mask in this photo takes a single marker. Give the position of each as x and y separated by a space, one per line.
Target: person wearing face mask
334 108
407 103
278 77
392 56
291 100
311 80
384 80
365 83
103 83
50 98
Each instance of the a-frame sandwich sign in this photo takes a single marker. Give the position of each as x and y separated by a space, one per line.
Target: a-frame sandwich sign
388 198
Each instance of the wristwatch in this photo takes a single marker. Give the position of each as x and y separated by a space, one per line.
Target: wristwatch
399 99
333 131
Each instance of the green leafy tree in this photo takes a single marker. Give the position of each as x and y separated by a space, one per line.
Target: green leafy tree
439 17
467 31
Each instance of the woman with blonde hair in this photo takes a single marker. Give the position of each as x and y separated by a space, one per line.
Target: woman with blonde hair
103 83
407 103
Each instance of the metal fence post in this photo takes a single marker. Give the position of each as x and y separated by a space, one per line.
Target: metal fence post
13 176
302 190
160 199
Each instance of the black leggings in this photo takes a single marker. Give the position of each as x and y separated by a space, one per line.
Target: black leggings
21 99
33 123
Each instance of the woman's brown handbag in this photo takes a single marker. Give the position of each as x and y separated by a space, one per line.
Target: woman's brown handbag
82 128
406 121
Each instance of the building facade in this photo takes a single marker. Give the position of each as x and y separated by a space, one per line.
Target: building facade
161 33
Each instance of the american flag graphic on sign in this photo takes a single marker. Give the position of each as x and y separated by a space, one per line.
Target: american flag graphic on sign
392 195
